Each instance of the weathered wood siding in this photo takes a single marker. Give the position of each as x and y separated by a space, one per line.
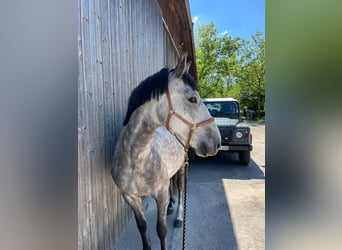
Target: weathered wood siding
120 43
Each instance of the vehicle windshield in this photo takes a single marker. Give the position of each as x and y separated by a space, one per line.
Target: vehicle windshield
224 109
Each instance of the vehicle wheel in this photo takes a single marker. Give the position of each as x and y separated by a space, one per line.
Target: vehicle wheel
191 155
244 157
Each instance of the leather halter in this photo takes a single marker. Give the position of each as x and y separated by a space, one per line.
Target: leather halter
192 126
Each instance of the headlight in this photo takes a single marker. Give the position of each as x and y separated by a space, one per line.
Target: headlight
238 134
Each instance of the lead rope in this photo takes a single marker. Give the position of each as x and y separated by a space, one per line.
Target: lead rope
186 167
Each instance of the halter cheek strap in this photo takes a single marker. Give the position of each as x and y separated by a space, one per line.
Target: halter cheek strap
192 126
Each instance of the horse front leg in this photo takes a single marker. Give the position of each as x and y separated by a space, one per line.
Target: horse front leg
180 183
136 204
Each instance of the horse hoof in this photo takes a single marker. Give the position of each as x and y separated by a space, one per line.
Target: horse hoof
178 223
169 210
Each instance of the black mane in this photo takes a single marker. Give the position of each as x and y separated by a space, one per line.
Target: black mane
152 87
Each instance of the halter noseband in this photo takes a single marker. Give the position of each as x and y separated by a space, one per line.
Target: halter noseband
192 126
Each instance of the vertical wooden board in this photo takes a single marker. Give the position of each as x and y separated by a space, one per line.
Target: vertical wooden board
98 122
108 229
116 95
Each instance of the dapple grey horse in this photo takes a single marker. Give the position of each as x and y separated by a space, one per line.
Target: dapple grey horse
165 116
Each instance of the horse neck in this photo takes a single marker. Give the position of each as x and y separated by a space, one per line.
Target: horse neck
141 128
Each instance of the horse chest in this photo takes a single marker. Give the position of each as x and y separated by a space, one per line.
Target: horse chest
169 150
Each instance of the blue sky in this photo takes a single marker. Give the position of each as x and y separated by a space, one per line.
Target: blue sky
240 18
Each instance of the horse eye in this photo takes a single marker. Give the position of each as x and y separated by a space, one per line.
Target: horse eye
193 99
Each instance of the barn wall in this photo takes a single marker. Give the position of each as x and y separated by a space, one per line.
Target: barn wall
121 42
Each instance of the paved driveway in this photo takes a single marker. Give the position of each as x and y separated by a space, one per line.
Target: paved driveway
226 205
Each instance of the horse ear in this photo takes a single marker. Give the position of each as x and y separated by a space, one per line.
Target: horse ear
181 66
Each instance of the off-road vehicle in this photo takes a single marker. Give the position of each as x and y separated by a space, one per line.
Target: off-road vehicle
235 134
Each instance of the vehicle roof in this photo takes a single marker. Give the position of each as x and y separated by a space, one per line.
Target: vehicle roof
228 99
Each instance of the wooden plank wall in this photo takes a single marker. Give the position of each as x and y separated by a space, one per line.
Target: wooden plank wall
121 42
170 53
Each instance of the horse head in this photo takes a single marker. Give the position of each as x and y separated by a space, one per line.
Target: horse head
188 118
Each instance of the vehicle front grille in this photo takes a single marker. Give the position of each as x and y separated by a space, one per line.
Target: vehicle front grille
226 136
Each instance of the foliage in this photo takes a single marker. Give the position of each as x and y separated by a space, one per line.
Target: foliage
231 67
215 58
251 73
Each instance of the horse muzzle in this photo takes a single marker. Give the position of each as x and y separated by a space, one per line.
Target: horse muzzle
208 148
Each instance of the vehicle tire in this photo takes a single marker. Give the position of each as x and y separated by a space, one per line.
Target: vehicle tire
244 157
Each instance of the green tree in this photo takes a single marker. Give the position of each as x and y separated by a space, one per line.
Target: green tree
216 58
251 72
231 67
